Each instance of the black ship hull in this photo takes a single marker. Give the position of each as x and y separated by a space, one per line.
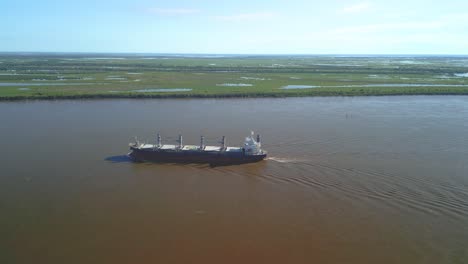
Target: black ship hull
214 158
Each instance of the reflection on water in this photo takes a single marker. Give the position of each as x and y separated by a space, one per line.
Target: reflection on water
348 180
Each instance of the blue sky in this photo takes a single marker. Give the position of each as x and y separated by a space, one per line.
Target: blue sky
242 26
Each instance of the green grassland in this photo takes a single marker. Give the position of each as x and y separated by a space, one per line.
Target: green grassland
56 76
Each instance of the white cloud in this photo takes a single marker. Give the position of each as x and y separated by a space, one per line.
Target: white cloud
172 11
383 27
247 17
356 8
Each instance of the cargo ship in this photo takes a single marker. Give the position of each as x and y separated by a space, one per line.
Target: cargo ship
180 153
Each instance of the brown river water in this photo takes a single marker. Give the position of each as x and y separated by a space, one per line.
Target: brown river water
348 180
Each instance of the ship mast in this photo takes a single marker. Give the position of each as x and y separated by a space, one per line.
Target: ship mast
180 141
223 142
159 140
202 142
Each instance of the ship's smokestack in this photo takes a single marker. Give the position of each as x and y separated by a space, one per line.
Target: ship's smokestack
223 141
258 138
202 142
159 140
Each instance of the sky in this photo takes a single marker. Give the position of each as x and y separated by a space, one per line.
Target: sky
235 27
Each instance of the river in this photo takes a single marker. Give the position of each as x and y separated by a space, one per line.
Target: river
347 180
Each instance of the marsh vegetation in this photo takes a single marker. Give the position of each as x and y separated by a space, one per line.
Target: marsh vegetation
49 76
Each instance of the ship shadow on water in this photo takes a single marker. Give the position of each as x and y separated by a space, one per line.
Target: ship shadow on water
119 159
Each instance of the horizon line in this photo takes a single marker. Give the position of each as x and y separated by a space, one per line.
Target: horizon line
230 54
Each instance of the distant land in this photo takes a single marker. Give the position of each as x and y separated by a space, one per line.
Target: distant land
44 75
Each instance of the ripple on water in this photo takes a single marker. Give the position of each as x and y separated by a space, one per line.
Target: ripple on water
401 192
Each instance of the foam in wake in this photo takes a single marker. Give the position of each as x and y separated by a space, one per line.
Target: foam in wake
282 160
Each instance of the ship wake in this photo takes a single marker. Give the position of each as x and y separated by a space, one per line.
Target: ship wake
283 160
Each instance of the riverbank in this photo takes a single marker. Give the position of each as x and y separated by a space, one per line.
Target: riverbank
319 93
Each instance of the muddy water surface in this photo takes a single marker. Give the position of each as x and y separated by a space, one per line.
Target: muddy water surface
348 180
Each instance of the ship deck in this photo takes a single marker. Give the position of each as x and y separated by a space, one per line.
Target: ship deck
188 148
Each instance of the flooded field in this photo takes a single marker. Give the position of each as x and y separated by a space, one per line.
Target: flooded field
348 180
